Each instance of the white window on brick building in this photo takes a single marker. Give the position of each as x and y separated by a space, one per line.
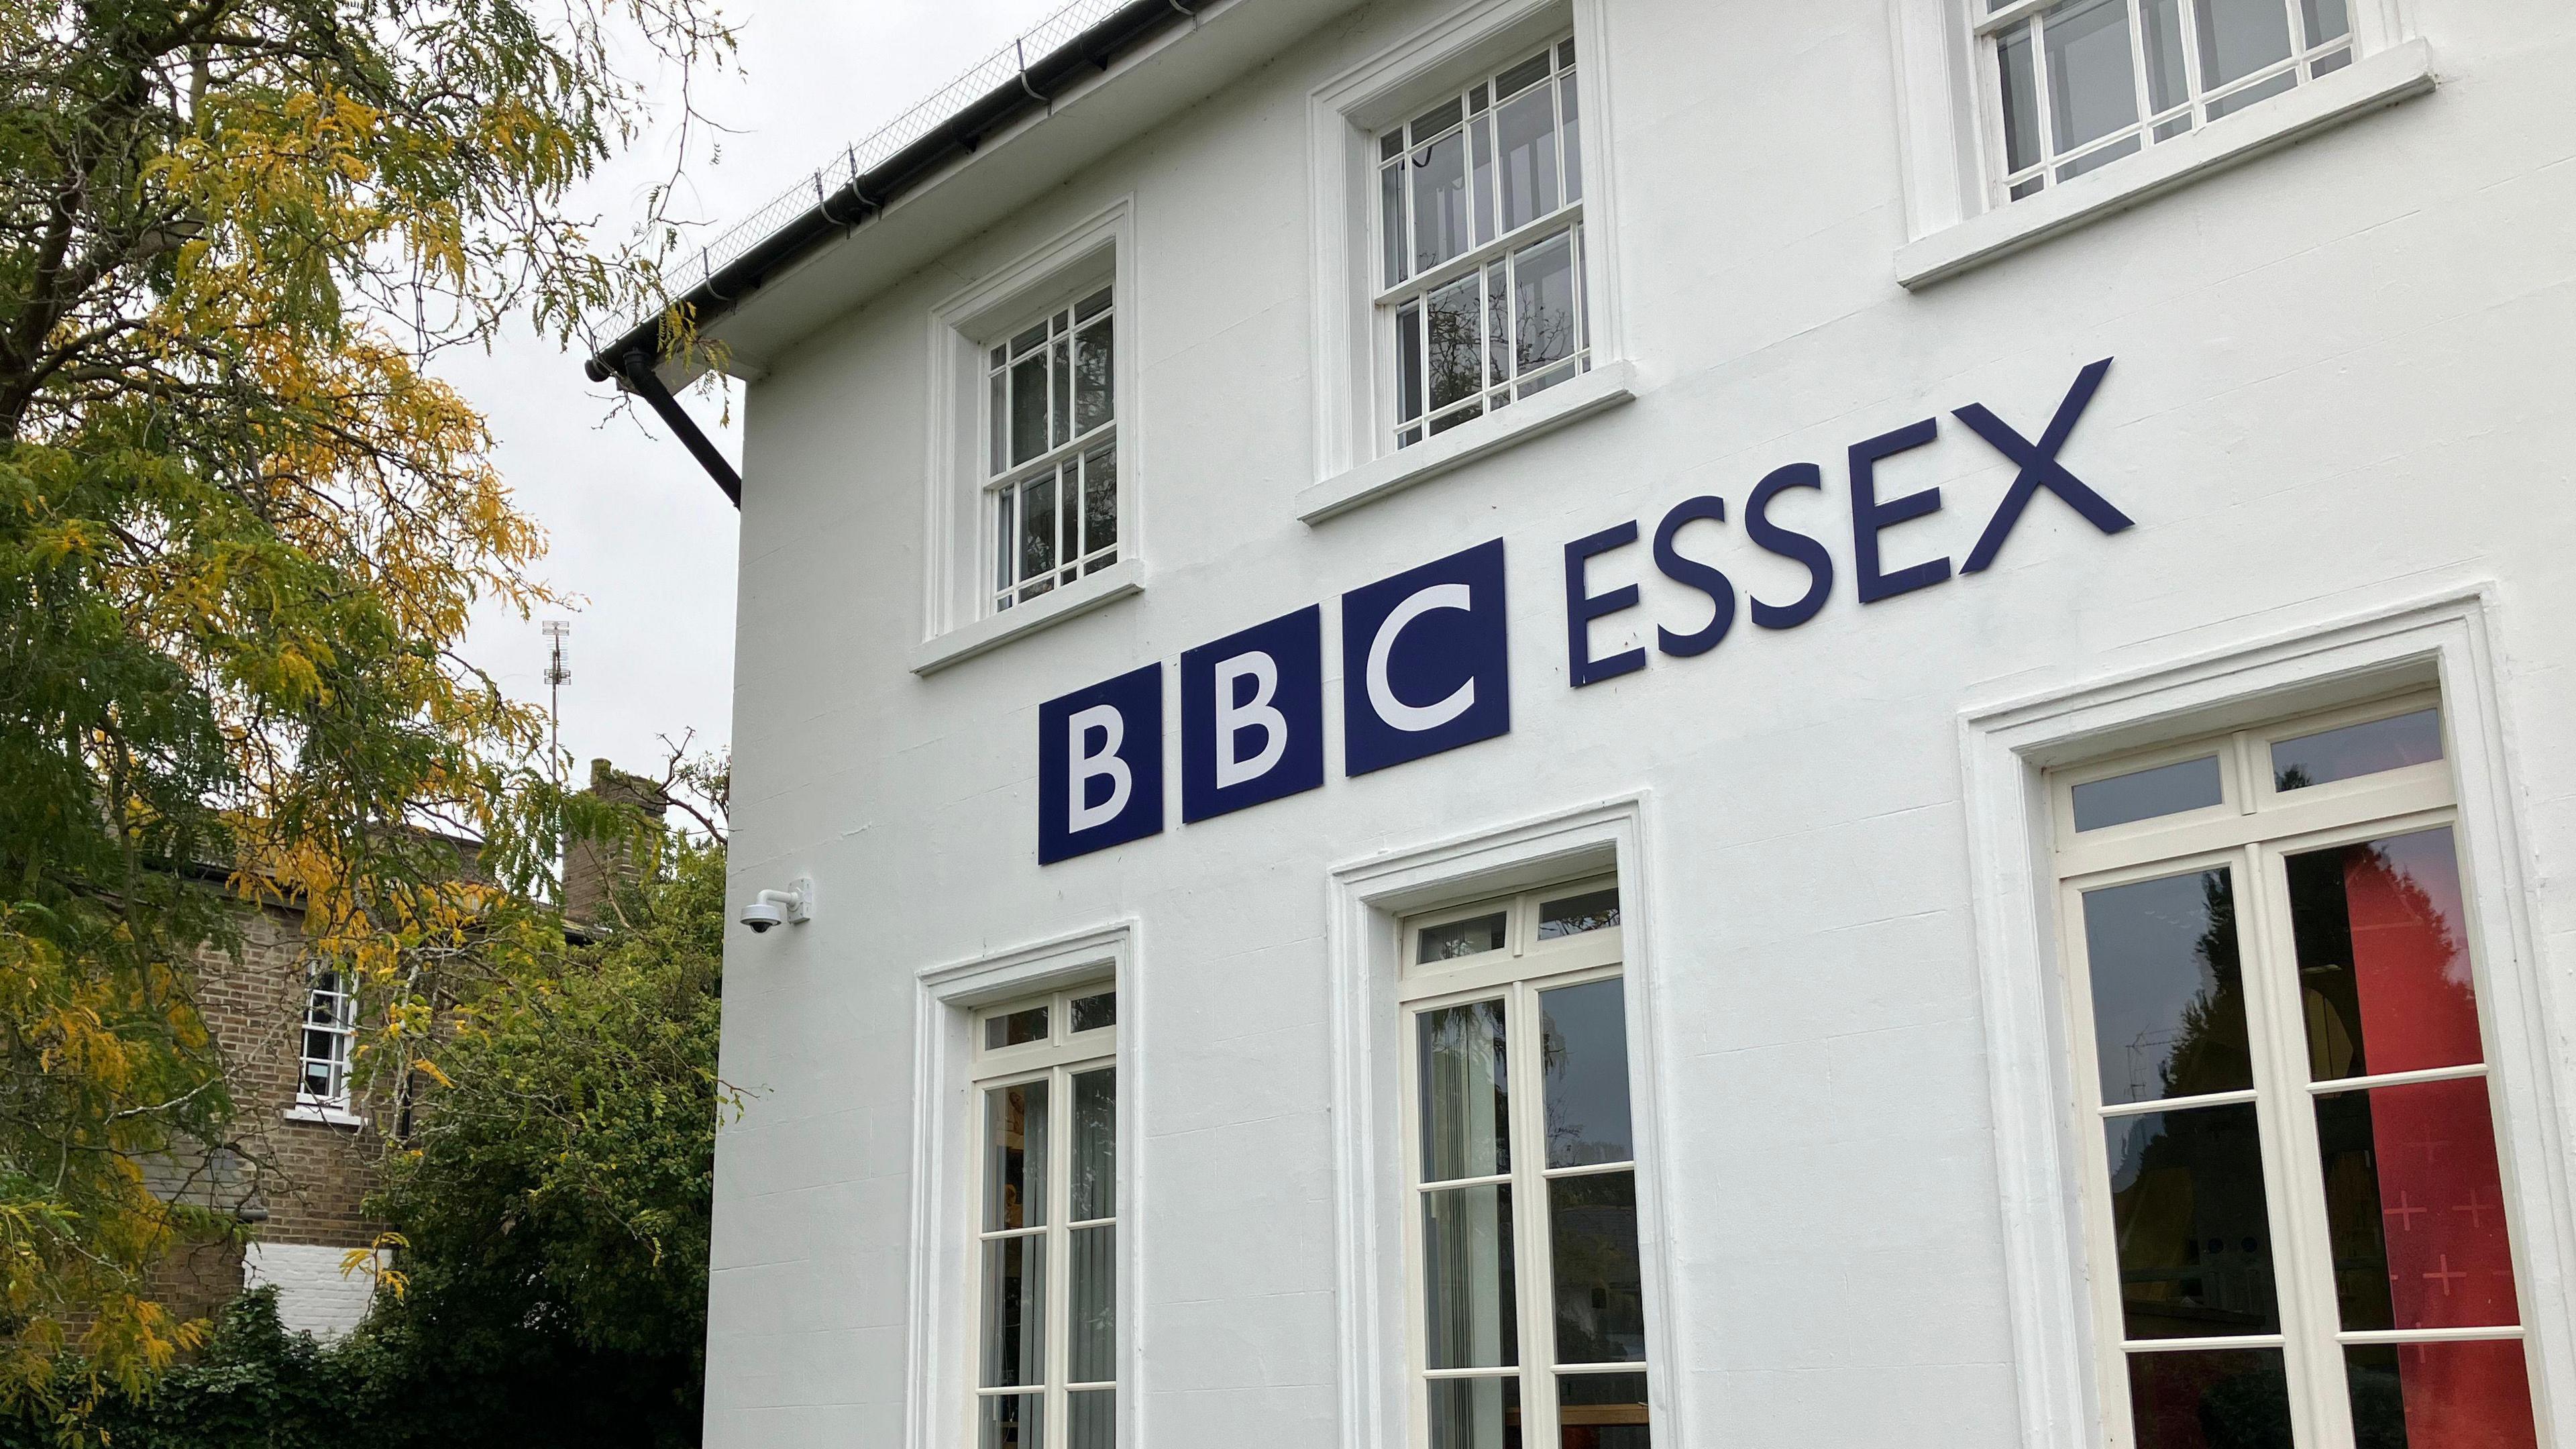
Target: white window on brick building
330 1022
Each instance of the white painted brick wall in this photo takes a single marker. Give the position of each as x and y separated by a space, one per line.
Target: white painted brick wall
313 1295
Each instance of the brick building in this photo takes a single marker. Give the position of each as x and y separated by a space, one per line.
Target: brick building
308 1136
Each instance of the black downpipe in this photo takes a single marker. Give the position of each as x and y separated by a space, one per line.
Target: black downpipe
640 379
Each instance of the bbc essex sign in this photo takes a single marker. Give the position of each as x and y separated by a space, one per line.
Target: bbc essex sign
1427 651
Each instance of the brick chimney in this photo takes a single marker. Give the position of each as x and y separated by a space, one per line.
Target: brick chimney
593 869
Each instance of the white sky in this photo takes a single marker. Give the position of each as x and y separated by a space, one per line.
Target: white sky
639 534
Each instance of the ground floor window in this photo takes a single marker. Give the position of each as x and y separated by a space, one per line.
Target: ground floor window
1046 1194
2294 1197
1527 1308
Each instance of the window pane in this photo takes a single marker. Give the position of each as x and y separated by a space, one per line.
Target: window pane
1481 178
1037 526
2240 37
1457 344
1573 138
1408 362
1446 421
1028 408
2147 794
1574 915
1001 410
2415 1204
1015 1156
1012 1028
1543 303
1094 1013
1095 1145
2168 83
1063 412
2354 750
1520 77
1466 1092
2260 91
2092 91
2234 1399
1434 121
1583 1049
1094 391
1602 1411
1091 1419
1600 1288
1035 336
2329 63
2096 160
1528 139
1091 1294
1091 306
1440 201
1012 1421
2326 20
2383 971
2440 1396
2016 59
1468 1304
1390 201
1099 507
1471 937
1498 323
2168 990
1005 571
1476 1413
1014 1312
2187 1209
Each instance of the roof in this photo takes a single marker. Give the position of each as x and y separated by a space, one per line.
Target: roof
839 196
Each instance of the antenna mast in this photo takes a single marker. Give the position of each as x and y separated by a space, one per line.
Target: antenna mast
558 674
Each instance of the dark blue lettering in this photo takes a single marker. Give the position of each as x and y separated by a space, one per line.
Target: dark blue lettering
1582 607
1691 573
1869 516
1789 544
2040 468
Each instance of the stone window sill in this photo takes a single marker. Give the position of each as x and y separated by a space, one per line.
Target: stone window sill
1125 577
1604 387
2393 75
324 1114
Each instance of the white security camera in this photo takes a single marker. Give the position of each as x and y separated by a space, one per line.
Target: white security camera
793 906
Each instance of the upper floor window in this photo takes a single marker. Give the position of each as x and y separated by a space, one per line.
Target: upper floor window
1046 1085
1480 221
2294 1198
2077 84
1527 1295
330 1023
1051 420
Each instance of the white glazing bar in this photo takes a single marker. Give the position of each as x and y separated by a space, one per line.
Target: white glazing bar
2343 1085
2176 1104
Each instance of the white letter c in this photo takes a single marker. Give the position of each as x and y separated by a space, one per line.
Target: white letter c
1414 719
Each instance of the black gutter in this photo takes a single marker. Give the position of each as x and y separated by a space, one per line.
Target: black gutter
630 359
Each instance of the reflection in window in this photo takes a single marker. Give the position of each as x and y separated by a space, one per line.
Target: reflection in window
2121 76
2355 750
1584 1054
1574 915
2383 972
1052 458
1461 938
1476 208
1015 1028
2187 1209
2168 988
1093 1013
2148 794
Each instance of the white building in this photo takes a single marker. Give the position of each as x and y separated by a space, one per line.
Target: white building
1912 790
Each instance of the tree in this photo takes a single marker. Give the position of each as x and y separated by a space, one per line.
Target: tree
553 1203
242 526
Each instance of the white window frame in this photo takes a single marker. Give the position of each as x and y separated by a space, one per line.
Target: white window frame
1950 124
342 1028
943 1282
959 617
1005 486
1056 1060
1478 124
2310 662
1356 460
1516 974
2250 833
1369 899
